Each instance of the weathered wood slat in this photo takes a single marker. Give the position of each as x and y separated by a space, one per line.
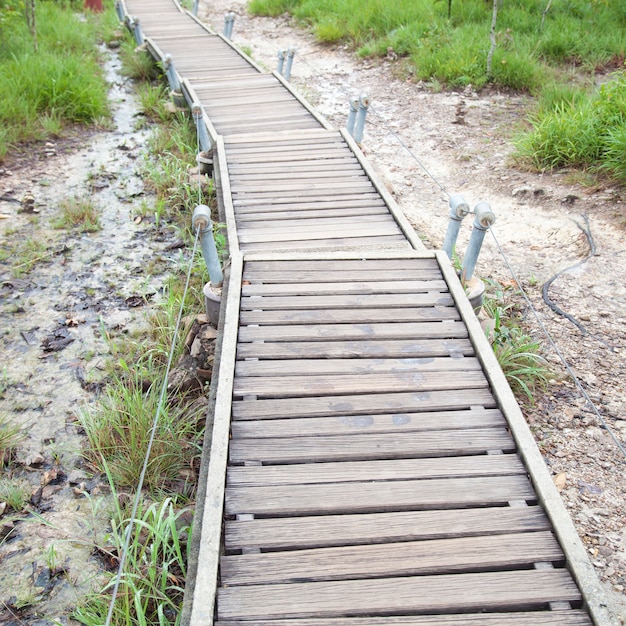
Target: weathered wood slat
367 497
371 446
363 404
318 227
352 424
376 470
437 556
372 528
422 594
355 349
366 301
447 329
348 316
291 367
320 385
387 266
371 241
536 618
320 197
336 288
296 213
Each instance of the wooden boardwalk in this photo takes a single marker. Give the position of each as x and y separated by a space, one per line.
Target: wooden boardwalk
368 463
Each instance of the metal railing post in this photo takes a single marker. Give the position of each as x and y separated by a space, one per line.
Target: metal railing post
194 8
281 61
484 219
203 134
364 103
458 210
354 107
170 72
291 52
201 220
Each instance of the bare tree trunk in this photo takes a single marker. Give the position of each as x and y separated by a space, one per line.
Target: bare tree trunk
31 21
545 12
494 19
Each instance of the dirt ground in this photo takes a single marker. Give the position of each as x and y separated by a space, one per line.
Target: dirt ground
428 145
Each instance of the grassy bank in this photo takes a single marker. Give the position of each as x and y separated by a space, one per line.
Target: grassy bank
49 76
553 50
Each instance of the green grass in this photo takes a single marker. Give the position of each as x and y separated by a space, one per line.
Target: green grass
590 34
518 354
15 493
10 437
79 213
59 84
588 132
152 585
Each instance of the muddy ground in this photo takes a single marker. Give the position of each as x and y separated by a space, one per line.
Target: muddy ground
55 319
425 145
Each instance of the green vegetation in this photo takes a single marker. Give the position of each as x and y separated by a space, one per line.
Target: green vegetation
518 354
531 44
588 132
153 582
58 83
79 213
15 493
10 437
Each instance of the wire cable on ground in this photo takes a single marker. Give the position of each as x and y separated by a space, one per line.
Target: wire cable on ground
558 352
157 415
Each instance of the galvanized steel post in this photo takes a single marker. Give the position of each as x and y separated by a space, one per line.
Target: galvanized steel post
229 22
170 72
203 134
484 219
201 220
137 32
354 107
458 210
291 52
364 104
281 61
119 10
194 9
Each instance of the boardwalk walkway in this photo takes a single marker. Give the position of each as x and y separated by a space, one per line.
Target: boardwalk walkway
368 462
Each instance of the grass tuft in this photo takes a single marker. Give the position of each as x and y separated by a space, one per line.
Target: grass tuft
79 213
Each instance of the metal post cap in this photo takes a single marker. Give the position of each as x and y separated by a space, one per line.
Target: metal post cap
485 217
201 218
458 207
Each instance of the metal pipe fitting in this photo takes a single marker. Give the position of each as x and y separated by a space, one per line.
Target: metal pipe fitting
201 221
364 104
171 73
354 107
204 138
483 220
281 61
458 210
291 52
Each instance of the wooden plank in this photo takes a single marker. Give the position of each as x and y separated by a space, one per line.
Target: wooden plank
317 228
409 558
536 618
387 242
300 238
372 528
210 543
363 404
421 594
320 165
349 316
279 213
367 264
288 275
371 446
357 349
367 497
352 424
300 137
357 383
328 287
321 199
447 329
328 367
377 470
367 301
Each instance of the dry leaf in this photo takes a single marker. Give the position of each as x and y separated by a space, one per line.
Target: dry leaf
559 480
